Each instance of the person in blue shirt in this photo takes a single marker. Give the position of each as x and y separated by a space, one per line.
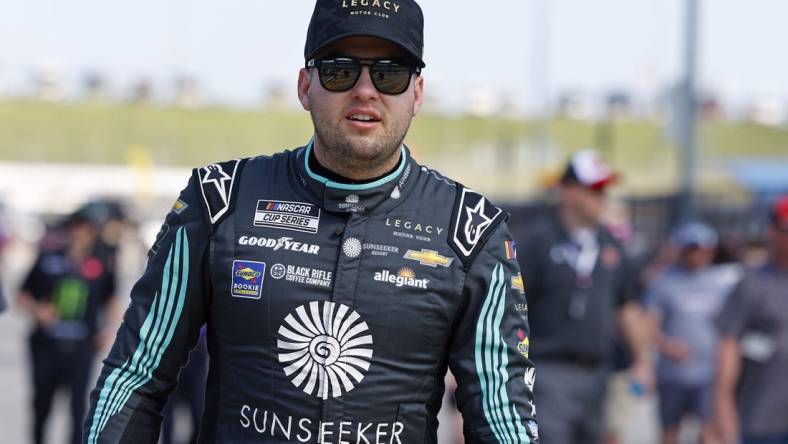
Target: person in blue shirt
683 303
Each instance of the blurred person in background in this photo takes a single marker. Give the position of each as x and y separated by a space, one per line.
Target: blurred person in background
683 302
69 294
579 288
752 387
338 280
3 240
3 304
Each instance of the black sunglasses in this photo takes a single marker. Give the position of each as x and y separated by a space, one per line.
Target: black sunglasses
340 74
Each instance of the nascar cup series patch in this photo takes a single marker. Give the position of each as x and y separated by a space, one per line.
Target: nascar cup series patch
247 279
296 216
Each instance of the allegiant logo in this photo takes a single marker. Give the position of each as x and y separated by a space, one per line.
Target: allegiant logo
387 5
405 277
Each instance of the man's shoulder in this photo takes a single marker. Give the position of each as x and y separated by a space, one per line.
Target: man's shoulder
724 275
474 218
275 158
218 183
542 229
434 177
754 279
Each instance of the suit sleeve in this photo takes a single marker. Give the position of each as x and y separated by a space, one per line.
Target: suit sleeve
35 282
627 281
3 304
160 327
489 351
733 318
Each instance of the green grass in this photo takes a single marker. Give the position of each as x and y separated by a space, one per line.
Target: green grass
114 133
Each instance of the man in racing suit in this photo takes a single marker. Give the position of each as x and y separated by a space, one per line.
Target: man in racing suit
336 288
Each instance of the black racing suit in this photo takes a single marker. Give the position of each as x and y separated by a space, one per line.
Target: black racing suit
332 311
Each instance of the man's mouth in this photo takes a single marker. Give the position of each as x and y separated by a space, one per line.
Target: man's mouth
363 118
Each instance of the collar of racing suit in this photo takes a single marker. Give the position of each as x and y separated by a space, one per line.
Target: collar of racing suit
367 198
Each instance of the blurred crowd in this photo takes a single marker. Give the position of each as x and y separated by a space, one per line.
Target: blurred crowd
699 334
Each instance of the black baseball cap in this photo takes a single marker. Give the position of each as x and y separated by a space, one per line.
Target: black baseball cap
398 21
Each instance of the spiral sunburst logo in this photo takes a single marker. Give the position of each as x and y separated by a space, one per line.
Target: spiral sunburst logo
352 247
325 348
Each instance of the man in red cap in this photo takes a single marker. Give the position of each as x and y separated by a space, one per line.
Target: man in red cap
752 396
579 288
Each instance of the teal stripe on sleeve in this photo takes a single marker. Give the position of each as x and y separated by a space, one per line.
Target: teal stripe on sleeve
483 361
511 417
492 361
142 355
492 345
155 336
119 376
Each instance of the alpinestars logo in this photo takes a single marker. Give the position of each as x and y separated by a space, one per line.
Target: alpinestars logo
325 348
473 220
216 183
476 222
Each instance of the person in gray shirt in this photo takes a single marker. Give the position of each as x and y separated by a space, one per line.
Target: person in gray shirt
682 304
752 386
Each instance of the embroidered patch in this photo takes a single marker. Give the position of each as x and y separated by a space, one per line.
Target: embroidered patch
247 279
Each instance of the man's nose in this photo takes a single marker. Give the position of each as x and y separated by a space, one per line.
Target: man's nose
364 89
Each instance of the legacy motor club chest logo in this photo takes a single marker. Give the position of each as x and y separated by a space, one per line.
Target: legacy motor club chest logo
409 229
325 348
297 216
247 281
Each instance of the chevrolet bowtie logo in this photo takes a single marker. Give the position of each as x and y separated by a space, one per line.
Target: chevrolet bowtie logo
429 258
518 283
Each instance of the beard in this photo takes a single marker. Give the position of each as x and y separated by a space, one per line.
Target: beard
359 151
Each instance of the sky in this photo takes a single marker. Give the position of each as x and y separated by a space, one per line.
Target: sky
528 50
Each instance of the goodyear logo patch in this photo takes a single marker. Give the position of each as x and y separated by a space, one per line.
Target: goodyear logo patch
247 279
296 216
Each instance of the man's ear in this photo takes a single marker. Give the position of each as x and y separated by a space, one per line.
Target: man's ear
304 82
418 91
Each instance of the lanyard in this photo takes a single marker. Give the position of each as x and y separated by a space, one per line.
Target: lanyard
586 257
583 264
